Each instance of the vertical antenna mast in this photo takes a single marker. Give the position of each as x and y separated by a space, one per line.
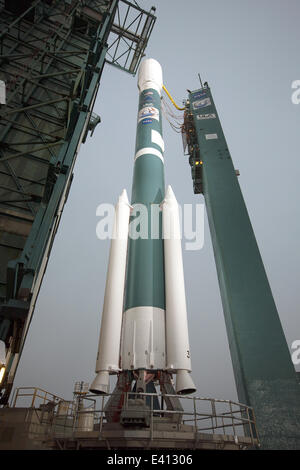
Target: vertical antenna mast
200 80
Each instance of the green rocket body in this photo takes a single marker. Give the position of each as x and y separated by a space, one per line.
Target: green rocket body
145 268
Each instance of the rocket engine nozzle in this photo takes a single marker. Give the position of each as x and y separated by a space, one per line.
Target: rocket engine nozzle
184 383
100 385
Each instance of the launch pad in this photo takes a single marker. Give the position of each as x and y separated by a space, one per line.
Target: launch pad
161 436
52 57
91 422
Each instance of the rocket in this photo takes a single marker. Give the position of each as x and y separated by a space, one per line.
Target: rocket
144 319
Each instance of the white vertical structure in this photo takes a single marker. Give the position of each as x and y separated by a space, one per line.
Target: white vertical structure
108 356
177 337
2 92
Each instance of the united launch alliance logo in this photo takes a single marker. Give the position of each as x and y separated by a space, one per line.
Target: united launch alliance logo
148 223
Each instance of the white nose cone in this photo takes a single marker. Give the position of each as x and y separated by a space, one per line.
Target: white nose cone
123 197
171 221
170 199
170 196
184 383
150 75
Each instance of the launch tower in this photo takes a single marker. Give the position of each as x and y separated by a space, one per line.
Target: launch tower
52 55
264 373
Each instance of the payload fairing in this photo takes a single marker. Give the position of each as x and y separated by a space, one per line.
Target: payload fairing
144 318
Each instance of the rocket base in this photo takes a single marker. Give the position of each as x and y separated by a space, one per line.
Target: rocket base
138 385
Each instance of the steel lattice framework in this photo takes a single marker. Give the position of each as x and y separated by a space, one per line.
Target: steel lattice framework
52 55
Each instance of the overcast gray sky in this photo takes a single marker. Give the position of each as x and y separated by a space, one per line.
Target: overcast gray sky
247 50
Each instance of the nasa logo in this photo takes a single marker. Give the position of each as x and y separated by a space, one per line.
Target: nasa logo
148 112
201 103
199 95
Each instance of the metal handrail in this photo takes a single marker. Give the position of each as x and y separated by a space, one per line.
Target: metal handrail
36 393
241 420
220 418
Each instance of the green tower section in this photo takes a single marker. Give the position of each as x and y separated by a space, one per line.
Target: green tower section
264 373
145 266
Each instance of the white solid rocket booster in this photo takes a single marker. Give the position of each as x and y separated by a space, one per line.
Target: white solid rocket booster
177 336
108 356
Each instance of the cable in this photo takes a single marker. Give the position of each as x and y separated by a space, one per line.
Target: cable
177 119
177 128
177 107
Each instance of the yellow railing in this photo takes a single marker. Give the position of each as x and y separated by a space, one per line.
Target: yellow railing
38 397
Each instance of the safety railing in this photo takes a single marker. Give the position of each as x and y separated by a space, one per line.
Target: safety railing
34 397
201 416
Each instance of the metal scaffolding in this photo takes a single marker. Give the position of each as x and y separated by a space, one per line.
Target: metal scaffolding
52 55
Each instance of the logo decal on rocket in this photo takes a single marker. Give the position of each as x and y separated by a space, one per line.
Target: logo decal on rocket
148 112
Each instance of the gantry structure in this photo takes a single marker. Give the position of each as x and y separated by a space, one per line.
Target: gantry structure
52 55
